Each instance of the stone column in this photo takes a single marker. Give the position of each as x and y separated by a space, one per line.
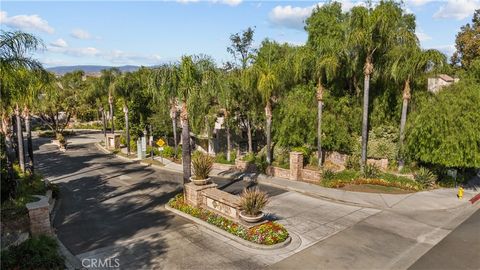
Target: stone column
296 165
39 216
194 195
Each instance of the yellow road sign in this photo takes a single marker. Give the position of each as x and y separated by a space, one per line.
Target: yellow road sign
160 142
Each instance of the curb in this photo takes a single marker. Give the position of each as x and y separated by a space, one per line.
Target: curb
229 235
71 262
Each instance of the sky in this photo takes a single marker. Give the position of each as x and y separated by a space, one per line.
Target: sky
116 33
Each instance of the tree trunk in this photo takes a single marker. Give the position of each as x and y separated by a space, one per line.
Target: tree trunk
104 125
110 103
403 120
127 130
320 91
368 69
173 115
268 114
21 150
249 135
186 154
26 113
229 138
7 131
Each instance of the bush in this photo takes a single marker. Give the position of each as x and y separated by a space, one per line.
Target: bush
268 233
261 163
202 165
156 152
371 171
353 162
425 177
249 157
252 201
39 252
328 174
222 158
168 152
305 151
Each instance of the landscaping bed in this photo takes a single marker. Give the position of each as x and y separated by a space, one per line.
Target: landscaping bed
269 233
380 183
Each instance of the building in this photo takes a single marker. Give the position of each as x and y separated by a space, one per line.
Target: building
438 82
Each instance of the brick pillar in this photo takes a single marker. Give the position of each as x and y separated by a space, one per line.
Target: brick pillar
194 195
39 214
296 165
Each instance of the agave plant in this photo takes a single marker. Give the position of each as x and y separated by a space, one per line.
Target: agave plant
371 171
252 201
202 166
425 177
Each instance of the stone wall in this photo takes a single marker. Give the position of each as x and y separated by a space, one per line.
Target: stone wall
380 163
278 172
311 175
245 166
296 171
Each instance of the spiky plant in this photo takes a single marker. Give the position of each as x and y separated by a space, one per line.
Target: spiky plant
425 177
252 201
202 166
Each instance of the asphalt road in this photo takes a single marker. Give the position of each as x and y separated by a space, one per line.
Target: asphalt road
459 250
105 200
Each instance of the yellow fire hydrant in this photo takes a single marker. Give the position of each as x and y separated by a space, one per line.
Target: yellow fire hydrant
460 193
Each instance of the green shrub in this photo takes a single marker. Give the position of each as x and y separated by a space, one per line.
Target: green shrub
168 152
353 162
38 252
305 151
156 152
371 171
249 157
261 163
222 158
425 177
202 165
328 174
133 145
252 201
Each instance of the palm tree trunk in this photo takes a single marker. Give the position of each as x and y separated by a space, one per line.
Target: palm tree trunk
21 150
368 69
26 113
110 103
229 137
320 91
104 125
186 154
249 135
403 120
173 115
268 114
7 131
127 130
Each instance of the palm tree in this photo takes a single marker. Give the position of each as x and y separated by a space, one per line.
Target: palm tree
15 48
373 33
107 81
124 87
408 62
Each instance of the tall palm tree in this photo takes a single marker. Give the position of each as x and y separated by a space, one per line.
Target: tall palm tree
15 48
107 80
373 33
408 62
124 87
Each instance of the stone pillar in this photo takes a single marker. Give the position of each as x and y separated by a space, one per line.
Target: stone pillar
296 165
39 214
113 141
193 193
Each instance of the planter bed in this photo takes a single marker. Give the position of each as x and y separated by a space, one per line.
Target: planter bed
266 234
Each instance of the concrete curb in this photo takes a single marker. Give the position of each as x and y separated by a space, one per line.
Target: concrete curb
229 235
71 262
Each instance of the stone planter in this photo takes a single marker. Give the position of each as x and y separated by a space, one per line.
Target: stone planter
200 182
251 219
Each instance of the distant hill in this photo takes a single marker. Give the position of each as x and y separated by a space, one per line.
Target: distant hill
60 70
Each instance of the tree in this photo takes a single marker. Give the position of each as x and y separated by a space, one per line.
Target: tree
107 80
409 62
270 67
241 49
15 50
444 131
326 28
467 43
125 87
373 32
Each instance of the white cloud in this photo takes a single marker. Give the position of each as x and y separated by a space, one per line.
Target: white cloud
422 36
419 2
294 17
59 43
446 49
457 9
288 16
77 52
226 2
26 22
80 34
